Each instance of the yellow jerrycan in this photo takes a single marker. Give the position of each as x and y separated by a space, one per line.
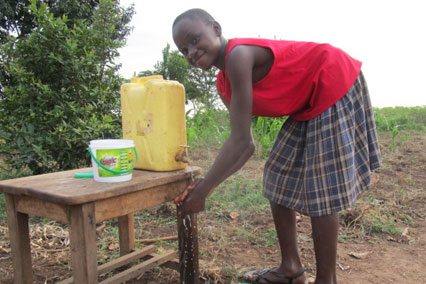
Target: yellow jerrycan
153 116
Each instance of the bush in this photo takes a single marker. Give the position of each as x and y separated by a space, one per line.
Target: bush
265 131
211 128
400 118
208 128
64 89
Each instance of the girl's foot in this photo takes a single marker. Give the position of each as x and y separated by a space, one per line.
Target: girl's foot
269 275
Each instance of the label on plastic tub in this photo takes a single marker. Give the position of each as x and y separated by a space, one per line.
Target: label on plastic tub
114 159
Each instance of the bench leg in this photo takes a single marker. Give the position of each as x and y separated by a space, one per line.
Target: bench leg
19 235
83 243
188 248
126 231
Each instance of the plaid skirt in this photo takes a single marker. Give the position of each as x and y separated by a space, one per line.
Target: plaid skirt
318 167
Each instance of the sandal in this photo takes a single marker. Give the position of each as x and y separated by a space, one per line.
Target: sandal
260 277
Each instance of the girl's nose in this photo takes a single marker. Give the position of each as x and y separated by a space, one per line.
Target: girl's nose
191 52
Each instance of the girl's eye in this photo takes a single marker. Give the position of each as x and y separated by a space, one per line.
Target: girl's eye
195 40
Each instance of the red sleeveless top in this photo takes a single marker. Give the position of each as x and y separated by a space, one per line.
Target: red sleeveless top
305 79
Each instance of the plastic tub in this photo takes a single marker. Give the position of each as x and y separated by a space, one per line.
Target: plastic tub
113 159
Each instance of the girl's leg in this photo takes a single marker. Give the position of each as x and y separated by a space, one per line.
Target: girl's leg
285 224
324 232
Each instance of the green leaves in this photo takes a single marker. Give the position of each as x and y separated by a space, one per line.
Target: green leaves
63 89
265 130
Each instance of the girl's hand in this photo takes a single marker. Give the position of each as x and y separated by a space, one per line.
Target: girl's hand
180 198
193 198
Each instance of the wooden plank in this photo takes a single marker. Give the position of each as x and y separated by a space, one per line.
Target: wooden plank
83 243
122 205
188 247
63 188
126 259
19 236
41 208
126 233
119 262
140 268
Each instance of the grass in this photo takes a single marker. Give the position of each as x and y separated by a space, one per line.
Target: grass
240 195
2 209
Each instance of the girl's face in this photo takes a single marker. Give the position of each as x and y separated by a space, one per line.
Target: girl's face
200 43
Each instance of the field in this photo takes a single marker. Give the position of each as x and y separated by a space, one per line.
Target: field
382 239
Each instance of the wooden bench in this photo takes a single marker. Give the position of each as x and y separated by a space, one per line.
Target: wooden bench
82 203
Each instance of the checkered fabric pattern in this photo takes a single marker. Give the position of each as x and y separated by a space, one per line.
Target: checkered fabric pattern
319 167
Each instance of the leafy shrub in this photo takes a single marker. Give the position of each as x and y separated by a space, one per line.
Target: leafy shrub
265 130
64 89
208 128
400 118
211 128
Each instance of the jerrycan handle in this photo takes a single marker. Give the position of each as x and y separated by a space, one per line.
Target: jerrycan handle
113 171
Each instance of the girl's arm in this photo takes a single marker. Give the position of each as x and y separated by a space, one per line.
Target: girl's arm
228 106
239 146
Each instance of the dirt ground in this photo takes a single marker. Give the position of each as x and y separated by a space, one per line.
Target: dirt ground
382 239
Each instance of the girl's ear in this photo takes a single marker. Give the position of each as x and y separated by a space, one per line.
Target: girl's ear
217 28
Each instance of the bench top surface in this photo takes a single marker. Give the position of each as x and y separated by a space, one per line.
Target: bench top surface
64 188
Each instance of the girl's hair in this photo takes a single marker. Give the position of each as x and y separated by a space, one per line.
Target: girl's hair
195 13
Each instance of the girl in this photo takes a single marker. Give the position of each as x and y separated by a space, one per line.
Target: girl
325 152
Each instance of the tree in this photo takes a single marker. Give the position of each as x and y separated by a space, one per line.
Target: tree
17 19
200 86
64 87
205 94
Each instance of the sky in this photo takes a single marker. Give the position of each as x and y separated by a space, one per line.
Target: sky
388 36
